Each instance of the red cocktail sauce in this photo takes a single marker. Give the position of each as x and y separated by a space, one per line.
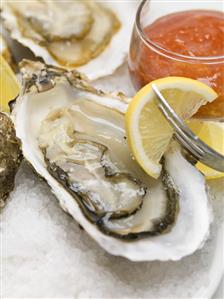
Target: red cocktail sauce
196 33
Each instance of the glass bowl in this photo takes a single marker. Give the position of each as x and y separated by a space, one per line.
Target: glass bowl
148 60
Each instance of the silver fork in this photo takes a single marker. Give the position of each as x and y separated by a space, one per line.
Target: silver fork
195 146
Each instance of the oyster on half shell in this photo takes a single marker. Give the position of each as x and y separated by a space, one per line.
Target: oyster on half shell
74 137
91 35
10 157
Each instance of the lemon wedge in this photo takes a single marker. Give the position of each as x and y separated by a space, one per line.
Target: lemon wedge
9 86
5 52
148 132
212 133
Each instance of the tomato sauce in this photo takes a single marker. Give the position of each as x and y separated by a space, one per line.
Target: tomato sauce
197 33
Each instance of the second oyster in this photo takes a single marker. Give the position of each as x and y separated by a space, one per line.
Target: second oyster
10 157
90 35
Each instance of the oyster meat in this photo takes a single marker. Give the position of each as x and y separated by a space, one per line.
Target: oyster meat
74 137
46 19
84 149
10 157
76 38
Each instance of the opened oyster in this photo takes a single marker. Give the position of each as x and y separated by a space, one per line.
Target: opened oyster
74 137
89 35
10 157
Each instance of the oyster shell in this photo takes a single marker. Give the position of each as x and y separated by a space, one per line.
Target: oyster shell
74 137
10 157
91 36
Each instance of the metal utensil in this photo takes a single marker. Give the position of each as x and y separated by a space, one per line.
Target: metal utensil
187 138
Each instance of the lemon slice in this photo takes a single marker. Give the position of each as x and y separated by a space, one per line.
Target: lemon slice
148 132
212 133
9 86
